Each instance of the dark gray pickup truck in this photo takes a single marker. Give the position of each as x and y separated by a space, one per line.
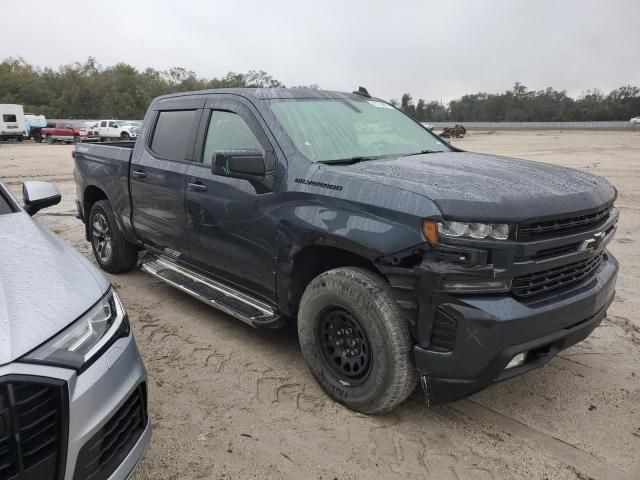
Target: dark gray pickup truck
401 258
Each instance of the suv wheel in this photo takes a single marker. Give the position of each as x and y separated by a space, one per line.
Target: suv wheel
356 341
49 139
125 137
111 250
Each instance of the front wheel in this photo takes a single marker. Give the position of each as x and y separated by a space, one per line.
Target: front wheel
49 139
125 137
356 341
112 251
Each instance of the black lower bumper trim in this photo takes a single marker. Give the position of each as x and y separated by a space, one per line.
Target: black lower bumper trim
540 351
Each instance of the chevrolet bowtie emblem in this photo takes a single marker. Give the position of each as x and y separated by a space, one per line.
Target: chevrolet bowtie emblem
593 244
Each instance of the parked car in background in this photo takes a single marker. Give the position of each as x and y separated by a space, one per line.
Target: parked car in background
635 122
457 131
73 388
92 131
428 126
12 124
35 124
401 259
118 130
66 132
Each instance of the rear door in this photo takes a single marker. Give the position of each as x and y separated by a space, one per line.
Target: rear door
158 174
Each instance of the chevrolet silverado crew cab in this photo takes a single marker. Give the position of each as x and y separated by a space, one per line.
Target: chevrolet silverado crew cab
402 259
73 399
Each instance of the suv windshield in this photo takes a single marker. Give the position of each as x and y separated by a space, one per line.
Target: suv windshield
332 130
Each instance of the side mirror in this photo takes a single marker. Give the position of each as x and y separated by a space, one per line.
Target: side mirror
39 195
246 164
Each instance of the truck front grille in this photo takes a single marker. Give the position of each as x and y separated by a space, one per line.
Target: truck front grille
562 226
107 449
556 278
32 428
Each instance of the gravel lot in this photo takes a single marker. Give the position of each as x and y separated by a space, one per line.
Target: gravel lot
228 401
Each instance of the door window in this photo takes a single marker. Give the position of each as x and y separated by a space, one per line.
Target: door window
103 124
112 124
173 135
228 131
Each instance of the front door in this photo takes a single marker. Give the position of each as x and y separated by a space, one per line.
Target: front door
231 232
158 175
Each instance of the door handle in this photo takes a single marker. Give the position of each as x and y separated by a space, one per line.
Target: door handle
197 187
139 174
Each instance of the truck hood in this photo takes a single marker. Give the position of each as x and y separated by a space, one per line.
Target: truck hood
44 285
471 186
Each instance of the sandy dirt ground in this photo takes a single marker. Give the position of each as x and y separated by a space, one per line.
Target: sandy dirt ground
231 402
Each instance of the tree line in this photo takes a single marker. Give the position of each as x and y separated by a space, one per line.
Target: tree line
523 105
89 90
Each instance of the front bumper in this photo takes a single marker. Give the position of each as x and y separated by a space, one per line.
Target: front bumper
95 397
491 330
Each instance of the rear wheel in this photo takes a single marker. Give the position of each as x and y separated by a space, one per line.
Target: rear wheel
356 341
111 250
49 139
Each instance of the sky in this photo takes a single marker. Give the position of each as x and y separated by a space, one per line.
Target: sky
436 50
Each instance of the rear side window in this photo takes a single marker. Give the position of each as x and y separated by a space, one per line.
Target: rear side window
9 118
228 131
172 136
103 124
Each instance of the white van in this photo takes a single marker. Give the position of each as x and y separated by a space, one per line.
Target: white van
12 122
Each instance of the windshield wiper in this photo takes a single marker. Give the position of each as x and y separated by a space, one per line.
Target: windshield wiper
347 161
422 152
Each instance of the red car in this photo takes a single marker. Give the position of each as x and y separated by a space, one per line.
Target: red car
68 132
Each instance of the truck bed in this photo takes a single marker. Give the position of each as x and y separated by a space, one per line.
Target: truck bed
105 166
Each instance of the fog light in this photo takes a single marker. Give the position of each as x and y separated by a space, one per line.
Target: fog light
516 361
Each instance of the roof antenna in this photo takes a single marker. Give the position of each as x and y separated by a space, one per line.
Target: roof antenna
363 92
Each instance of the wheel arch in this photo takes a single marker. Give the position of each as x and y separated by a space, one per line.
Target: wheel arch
311 260
90 196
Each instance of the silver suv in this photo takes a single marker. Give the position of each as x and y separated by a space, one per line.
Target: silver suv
73 395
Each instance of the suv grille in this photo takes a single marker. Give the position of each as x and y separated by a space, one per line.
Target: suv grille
563 225
107 449
32 428
555 278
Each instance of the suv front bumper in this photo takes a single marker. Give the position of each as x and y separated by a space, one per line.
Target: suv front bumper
96 397
490 330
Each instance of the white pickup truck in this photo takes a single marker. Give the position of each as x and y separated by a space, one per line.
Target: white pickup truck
118 130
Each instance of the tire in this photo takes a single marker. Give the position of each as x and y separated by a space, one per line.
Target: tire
76 139
329 305
125 137
112 252
49 139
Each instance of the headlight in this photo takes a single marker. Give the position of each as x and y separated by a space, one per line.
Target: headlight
85 339
432 230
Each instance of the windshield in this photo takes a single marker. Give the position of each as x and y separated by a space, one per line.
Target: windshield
326 130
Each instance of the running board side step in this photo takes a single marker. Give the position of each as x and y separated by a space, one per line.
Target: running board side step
237 304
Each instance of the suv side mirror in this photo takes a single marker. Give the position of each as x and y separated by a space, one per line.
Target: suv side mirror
39 195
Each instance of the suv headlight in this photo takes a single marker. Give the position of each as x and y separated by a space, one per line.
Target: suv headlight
432 230
82 342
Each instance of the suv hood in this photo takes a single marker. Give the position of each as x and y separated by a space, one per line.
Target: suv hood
471 186
44 285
